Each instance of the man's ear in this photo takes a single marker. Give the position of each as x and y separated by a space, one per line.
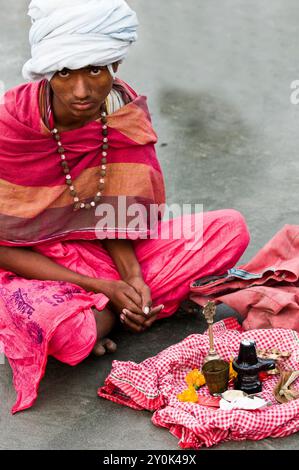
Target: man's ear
115 66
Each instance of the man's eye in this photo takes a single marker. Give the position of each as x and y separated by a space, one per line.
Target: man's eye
95 71
63 73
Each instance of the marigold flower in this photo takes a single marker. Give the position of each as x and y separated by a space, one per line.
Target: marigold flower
195 379
188 395
232 373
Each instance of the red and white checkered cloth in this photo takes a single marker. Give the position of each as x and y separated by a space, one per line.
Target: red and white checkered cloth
154 385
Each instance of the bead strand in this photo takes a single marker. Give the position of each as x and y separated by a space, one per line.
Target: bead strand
103 167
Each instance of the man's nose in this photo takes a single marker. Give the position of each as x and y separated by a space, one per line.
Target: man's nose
81 89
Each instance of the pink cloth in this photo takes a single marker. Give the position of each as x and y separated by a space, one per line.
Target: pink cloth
265 291
155 383
38 318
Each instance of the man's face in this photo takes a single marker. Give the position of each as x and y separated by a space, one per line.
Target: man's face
81 92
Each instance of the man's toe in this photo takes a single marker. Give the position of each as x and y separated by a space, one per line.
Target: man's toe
99 350
109 345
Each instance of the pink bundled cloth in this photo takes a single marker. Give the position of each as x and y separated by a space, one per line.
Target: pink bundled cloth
265 291
155 383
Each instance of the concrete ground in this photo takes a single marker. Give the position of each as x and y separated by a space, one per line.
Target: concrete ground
218 77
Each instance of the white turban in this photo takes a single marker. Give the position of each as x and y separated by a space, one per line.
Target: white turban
76 33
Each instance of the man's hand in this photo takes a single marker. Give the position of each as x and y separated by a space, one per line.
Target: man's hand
128 302
142 315
139 323
121 296
143 290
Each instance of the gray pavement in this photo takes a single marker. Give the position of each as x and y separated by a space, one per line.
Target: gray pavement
217 75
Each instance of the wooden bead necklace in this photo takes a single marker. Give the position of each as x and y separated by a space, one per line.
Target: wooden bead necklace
66 171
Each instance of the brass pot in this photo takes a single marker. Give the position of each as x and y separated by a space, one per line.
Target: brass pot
216 373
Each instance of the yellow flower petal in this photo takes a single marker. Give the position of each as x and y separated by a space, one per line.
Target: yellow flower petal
188 395
191 377
200 381
232 373
195 378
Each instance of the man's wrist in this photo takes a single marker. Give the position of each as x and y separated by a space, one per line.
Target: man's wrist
123 254
93 284
132 274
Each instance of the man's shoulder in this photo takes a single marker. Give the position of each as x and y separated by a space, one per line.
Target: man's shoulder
125 87
19 99
22 90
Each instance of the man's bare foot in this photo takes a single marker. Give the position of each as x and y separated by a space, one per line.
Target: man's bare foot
105 320
103 346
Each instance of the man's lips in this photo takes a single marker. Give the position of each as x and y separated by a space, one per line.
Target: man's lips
83 106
